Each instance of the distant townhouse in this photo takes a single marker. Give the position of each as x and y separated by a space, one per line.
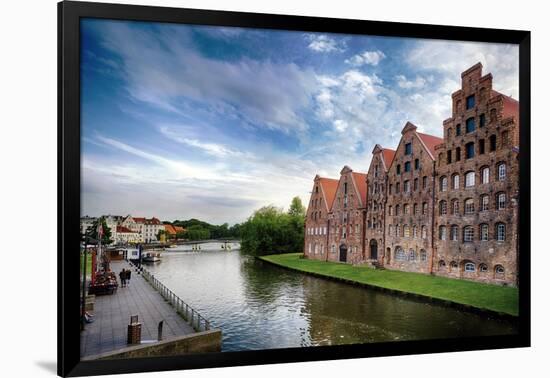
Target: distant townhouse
444 206
126 236
86 223
148 228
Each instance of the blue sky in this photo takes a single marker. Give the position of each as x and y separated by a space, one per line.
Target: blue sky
184 121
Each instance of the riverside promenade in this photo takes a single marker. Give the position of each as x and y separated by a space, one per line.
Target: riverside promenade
112 314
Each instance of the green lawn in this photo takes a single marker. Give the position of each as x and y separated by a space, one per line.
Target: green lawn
484 296
88 264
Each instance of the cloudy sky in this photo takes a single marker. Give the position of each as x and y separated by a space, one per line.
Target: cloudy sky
209 122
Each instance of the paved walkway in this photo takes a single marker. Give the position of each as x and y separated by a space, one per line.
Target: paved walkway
112 316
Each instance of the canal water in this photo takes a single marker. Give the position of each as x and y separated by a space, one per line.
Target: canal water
260 306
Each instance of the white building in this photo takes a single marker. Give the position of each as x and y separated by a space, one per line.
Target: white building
148 229
126 236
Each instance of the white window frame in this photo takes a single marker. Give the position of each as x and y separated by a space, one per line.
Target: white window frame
501 172
468 234
470 267
485 175
470 179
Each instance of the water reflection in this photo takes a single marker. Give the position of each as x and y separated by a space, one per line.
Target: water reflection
259 306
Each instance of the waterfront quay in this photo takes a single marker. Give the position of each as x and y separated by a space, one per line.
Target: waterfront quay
107 334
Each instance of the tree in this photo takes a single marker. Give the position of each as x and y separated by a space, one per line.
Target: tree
270 230
296 208
92 231
197 232
160 235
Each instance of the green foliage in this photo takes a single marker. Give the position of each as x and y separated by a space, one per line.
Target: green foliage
480 295
197 232
270 230
92 232
214 231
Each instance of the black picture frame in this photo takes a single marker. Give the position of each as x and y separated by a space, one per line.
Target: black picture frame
69 14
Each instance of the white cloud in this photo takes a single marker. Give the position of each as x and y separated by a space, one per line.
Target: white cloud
450 59
324 43
367 57
210 148
405 83
169 73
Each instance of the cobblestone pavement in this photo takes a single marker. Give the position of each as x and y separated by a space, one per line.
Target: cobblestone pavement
112 315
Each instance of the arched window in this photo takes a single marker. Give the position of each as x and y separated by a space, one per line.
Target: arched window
424 208
424 232
441 264
484 202
484 175
483 268
454 265
442 233
500 231
415 232
443 183
333 249
400 254
442 207
455 207
397 230
456 181
415 209
469 207
406 209
501 170
469 179
454 232
483 232
423 255
397 209
468 234
406 231
390 210
499 271
390 229
470 267
501 201
412 255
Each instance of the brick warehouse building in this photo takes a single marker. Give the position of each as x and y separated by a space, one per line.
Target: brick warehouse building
439 206
347 218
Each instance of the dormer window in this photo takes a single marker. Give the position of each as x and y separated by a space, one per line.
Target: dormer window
470 102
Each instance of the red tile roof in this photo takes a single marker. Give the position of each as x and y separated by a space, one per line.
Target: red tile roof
329 188
123 229
361 182
511 106
179 229
170 229
388 156
430 141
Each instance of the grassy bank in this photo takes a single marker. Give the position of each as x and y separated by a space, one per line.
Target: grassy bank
483 296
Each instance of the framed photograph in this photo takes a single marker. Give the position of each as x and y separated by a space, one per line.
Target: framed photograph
239 188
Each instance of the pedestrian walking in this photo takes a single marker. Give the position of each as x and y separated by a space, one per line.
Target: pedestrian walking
122 276
128 276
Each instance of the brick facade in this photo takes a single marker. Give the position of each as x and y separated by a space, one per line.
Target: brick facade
316 226
439 206
347 218
477 184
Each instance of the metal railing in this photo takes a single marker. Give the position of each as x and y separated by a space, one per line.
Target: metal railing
190 315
